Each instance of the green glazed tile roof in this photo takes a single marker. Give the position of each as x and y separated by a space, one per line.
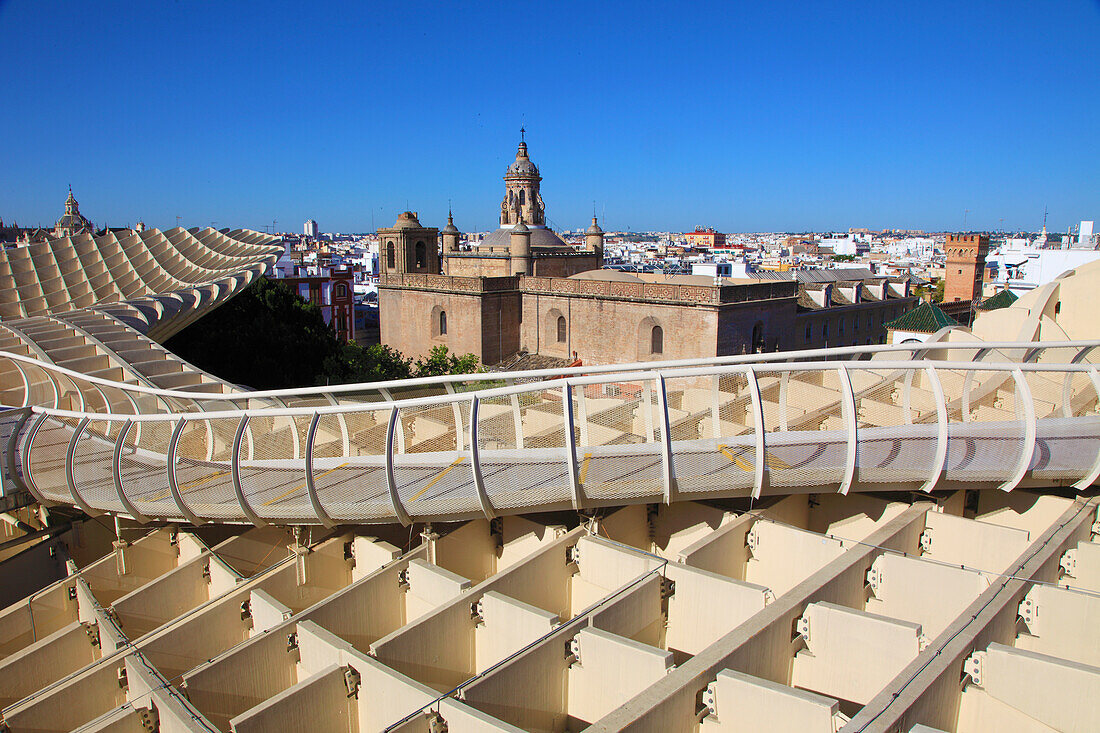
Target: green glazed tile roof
1002 299
925 318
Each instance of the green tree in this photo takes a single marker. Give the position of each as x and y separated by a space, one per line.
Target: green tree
374 363
440 361
266 337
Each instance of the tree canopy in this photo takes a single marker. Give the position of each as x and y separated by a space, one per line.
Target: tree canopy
267 337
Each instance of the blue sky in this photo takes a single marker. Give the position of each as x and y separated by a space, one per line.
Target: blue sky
744 116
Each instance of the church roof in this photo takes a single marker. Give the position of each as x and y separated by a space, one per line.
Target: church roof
522 165
407 220
450 228
540 237
1002 299
925 318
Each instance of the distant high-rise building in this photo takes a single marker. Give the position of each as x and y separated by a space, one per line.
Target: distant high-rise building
310 229
966 255
1085 234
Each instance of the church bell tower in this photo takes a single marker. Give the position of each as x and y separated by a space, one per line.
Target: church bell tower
522 200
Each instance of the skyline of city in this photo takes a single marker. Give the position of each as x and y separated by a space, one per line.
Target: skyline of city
755 119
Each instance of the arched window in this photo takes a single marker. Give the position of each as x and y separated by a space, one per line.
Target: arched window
421 255
561 329
758 337
442 323
341 290
522 197
657 341
390 256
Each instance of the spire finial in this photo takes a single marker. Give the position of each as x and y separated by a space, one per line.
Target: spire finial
522 134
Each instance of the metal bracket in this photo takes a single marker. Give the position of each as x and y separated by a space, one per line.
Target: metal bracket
572 555
874 579
802 628
710 700
291 641
477 612
1068 562
573 651
972 667
436 724
92 630
1029 612
246 609
403 579
351 682
123 683
752 539
668 588
926 541
150 719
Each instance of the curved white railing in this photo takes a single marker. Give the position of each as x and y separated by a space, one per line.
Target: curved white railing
491 444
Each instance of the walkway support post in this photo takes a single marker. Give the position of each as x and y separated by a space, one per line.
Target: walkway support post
1024 401
70 475
235 467
757 405
391 479
848 409
571 445
116 465
311 486
173 484
940 460
666 440
475 460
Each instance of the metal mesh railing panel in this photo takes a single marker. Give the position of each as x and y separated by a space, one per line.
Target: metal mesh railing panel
539 473
987 447
623 457
93 466
144 468
432 476
349 469
47 458
711 455
811 447
273 477
206 484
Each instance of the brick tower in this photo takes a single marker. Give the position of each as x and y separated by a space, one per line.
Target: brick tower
966 255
